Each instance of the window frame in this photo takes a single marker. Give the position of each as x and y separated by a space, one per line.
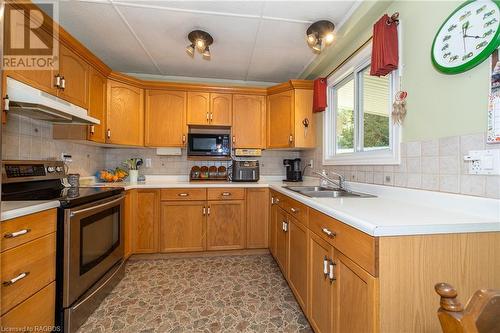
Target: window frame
353 67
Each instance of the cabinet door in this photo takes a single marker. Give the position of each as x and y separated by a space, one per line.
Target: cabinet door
76 77
280 120
125 114
198 108
321 304
249 121
297 261
273 226
257 218
165 118
226 225
281 240
182 226
221 106
146 222
355 294
97 105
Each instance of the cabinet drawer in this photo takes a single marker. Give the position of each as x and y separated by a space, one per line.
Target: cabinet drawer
35 261
297 210
226 193
184 194
358 246
30 313
23 229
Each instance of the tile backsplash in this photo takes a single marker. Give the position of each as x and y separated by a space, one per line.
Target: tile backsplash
435 165
271 162
28 139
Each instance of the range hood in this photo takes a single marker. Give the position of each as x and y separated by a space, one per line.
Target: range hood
34 103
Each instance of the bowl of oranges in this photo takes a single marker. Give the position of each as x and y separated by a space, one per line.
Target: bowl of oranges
111 176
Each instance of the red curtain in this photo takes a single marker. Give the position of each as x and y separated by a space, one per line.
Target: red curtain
384 47
319 94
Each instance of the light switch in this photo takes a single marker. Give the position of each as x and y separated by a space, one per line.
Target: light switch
483 162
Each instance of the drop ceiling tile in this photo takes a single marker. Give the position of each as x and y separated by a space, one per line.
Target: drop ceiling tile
102 31
308 10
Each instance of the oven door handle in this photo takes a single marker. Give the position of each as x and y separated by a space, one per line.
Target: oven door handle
98 207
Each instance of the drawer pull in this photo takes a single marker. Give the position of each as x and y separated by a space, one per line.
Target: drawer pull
277 200
183 194
17 278
329 232
294 210
226 194
17 233
325 266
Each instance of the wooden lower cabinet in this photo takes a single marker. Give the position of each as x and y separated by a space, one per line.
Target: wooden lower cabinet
226 225
146 221
321 290
257 215
281 222
182 226
128 221
298 261
356 291
273 224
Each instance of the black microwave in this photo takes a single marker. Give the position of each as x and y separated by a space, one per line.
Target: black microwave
209 145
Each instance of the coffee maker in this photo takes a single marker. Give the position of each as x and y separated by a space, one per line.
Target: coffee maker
293 170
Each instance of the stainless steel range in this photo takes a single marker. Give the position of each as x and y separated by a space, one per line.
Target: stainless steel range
89 235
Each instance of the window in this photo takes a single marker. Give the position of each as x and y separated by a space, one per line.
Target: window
357 125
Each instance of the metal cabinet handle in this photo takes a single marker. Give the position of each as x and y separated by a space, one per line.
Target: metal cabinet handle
183 194
211 116
109 133
208 210
184 138
277 200
204 211
290 138
325 266
328 232
92 129
234 139
285 226
63 83
208 117
14 280
16 233
58 81
331 273
226 194
294 210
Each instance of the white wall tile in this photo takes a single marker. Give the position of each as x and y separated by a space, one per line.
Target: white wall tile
449 146
449 183
430 148
472 185
448 165
430 165
413 149
430 182
492 187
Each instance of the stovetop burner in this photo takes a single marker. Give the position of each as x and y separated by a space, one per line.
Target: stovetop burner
40 180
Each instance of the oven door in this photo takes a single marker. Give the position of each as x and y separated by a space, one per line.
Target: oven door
93 243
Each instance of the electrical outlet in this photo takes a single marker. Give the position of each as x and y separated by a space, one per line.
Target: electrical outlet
66 158
483 162
148 163
311 164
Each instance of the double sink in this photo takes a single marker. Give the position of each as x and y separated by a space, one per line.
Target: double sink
326 192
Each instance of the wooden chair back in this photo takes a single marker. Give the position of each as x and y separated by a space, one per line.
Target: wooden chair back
481 314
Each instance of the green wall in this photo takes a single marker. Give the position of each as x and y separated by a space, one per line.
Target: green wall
439 105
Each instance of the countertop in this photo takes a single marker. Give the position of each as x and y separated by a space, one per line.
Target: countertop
13 209
394 212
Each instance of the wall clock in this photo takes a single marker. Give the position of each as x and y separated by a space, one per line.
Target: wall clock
467 37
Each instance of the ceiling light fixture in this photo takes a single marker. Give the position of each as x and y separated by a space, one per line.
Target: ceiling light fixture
200 40
319 35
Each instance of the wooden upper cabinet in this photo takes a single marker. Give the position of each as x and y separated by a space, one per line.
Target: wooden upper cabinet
280 120
97 106
165 118
226 225
125 114
198 108
75 72
290 122
249 121
221 106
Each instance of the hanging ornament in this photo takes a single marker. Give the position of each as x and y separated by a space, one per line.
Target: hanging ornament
399 107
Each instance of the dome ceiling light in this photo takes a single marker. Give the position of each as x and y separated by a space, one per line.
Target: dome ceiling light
320 35
200 40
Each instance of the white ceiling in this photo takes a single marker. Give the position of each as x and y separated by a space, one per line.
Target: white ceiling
253 40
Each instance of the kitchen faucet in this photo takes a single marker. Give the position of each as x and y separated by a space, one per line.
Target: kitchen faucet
323 175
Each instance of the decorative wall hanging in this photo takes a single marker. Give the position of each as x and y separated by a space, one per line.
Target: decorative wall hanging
493 135
385 51
399 107
319 94
467 37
